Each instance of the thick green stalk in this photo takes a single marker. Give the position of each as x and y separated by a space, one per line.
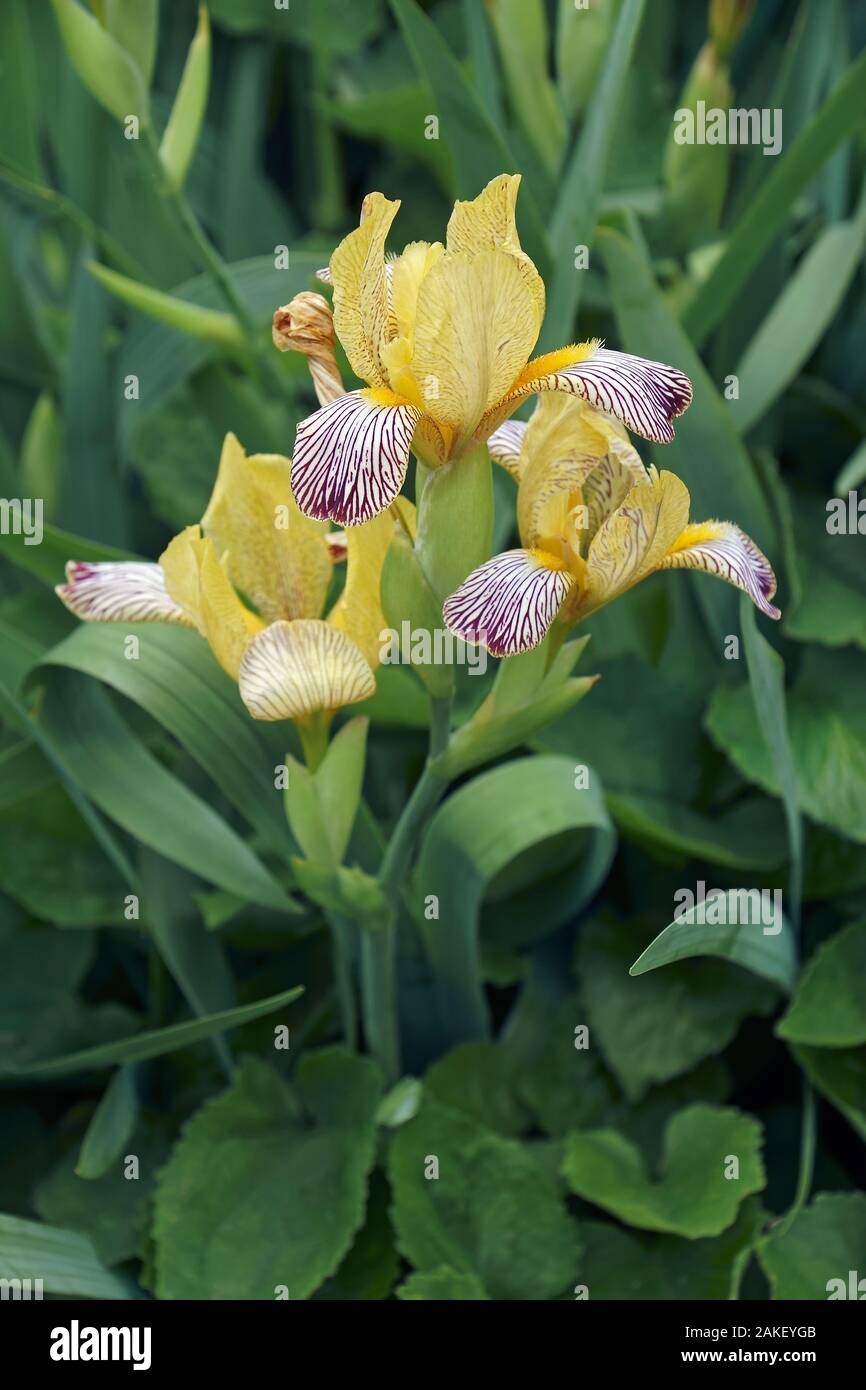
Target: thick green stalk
379 942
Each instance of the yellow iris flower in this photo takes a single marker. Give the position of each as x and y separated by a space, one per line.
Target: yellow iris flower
253 580
594 522
443 335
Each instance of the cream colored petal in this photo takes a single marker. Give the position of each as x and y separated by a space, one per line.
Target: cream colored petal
127 591
476 325
275 555
722 549
634 539
358 610
509 602
362 316
293 669
608 485
506 445
197 581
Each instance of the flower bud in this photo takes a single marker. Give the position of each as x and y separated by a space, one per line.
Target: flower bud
306 325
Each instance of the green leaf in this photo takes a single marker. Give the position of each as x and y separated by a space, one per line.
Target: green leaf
180 685
155 1043
659 1025
479 150
582 182
443 1284
491 1212
827 729
521 32
209 325
618 1265
748 835
104 66
691 1195
772 955
831 607
48 559
180 138
813 1259
126 782
477 1079
65 1261
267 1185
829 1008
799 318
338 781
135 25
839 1073
401 1103
771 207
42 453
473 836
114 1120
112 1210
707 452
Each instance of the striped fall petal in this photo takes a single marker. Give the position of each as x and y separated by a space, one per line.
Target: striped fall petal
722 549
508 603
125 591
505 446
646 396
293 669
351 456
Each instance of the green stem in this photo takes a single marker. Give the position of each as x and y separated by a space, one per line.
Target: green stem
379 941
342 933
808 1142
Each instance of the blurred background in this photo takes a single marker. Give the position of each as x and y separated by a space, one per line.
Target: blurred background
135 310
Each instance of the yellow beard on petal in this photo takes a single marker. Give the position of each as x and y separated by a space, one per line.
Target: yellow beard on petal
555 362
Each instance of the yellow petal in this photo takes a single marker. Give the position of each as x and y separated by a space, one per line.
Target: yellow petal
477 322
362 316
275 555
197 582
293 669
487 222
635 538
561 447
358 611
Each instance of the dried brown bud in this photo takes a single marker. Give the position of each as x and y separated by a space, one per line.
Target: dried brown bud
307 325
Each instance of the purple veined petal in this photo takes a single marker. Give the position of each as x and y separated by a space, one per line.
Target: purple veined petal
125 591
508 603
351 456
505 445
722 549
647 396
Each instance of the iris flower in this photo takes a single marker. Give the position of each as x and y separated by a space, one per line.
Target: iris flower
443 335
253 580
594 522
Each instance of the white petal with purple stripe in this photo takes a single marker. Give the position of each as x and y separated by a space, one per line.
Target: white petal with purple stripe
126 591
505 445
646 396
730 555
508 603
350 458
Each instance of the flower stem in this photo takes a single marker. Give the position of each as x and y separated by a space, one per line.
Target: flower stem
379 942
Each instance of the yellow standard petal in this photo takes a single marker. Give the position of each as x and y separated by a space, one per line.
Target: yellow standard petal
634 539
477 322
293 669
362 315
275 555
198 584
561 447
358 610
488 222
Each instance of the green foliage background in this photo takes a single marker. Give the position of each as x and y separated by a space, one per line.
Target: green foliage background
559 1167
